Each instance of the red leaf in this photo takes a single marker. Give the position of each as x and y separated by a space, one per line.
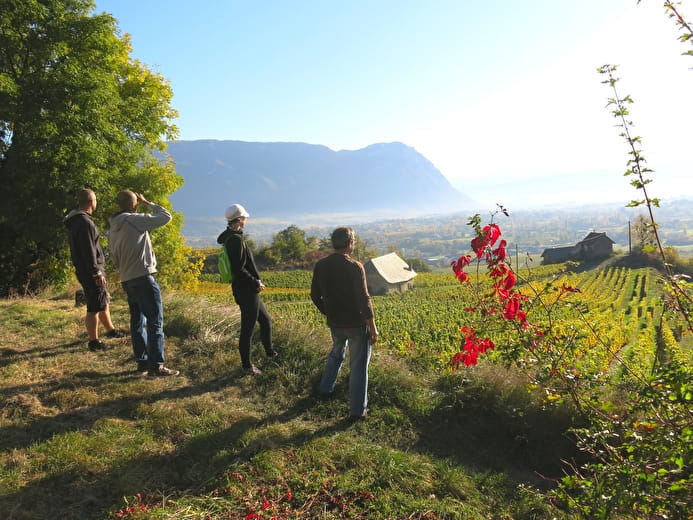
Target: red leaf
501 253
509 282
478 245
492 232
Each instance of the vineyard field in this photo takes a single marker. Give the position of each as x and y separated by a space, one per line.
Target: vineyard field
615 314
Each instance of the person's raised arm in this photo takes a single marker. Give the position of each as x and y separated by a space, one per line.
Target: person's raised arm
159 216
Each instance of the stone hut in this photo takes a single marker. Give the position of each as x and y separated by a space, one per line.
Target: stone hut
593 247
388 273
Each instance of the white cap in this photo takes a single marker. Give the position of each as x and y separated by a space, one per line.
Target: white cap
235 211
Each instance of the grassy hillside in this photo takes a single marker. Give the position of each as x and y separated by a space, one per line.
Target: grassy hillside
82 436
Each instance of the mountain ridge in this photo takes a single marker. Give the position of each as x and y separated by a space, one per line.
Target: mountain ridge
282 179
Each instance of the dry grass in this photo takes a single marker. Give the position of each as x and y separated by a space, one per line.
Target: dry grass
82 436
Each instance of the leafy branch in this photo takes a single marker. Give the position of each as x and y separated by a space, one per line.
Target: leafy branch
684 26
638 172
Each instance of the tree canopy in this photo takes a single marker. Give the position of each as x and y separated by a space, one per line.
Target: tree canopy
292 248
76 110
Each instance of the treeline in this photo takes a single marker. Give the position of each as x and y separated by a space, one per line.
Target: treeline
294 248
645 251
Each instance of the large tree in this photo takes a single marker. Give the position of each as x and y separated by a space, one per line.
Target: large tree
76 110
291 244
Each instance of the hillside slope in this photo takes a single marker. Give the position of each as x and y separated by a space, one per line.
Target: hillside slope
82 436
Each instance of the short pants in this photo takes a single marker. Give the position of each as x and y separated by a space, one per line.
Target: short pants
96 295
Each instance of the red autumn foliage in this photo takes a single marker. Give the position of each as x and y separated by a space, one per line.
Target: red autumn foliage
508 302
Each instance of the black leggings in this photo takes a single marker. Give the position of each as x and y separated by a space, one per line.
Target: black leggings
252 311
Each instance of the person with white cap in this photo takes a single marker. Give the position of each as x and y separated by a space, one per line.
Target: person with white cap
246 286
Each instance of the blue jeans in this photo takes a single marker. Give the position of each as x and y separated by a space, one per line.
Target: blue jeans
146 320
359 358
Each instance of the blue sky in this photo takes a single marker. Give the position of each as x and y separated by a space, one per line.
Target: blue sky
491 92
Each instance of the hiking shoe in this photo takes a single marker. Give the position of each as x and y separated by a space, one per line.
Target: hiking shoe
162 371
324 396
115 333
359 417
252 370
95 345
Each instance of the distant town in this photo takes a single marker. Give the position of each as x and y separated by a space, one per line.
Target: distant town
527 232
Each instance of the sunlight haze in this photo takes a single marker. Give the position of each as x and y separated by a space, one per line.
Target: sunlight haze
499 95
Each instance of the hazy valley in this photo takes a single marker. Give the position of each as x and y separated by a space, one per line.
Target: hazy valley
394 198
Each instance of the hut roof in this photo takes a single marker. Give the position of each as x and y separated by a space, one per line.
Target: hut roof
392 268
591 237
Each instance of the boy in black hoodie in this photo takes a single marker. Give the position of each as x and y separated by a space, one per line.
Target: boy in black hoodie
88 259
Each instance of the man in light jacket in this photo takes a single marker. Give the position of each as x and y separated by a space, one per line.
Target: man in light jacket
132 253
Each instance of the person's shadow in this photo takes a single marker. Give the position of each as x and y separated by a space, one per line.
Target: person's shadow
193 467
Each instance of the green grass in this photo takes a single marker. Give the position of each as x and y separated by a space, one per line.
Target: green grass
81 436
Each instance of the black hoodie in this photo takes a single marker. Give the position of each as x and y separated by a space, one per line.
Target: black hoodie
245 274
87 254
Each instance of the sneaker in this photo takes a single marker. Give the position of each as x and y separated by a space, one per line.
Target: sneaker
271 353
142 368
162 371
96 345
252 370
115 333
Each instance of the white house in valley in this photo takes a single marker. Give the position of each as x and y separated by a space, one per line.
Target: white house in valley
388 273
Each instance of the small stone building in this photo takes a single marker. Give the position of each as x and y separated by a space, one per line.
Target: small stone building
593 247
556 255
388 273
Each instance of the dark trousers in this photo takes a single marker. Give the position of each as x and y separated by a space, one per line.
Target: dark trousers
252 311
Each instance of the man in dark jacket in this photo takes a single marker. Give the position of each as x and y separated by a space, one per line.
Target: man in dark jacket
88 259
339 291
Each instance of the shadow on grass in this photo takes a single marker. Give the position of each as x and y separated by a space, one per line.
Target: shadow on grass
478 431
9 355
193 467
486 422
83 418
465 427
